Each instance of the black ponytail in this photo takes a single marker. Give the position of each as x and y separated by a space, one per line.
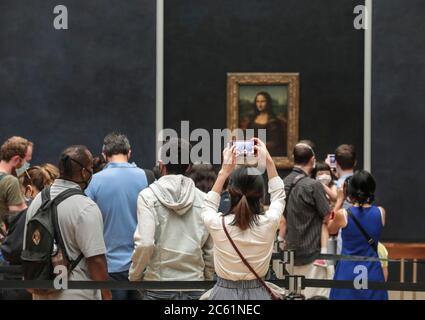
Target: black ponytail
361 188
246 195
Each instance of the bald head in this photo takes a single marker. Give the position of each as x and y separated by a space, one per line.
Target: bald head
303 153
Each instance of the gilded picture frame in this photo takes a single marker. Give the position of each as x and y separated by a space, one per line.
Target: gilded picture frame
269 101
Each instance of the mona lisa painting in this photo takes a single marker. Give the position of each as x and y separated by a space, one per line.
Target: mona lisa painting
266 101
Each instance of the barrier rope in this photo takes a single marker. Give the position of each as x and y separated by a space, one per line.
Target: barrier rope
339 257
286 257
204 285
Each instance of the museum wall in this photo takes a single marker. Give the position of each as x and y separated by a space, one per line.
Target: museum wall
62 87
398 115
204 40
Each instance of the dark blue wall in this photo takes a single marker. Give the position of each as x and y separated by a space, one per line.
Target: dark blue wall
74 86
398 115
204 40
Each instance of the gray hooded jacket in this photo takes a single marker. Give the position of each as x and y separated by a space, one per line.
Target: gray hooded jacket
171 241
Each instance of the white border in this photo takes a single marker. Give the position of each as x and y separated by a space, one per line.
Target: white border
159 72
367 143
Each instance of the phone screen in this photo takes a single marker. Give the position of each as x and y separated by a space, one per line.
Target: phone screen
332 160
246 154
244 148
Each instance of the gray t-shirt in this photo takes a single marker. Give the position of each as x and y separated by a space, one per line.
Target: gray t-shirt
81 226
307 206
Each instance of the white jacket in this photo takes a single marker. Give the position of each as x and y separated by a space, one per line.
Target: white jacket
171 240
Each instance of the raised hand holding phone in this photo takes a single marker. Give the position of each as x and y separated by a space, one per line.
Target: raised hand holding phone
264 158
229 160
227 167
331 161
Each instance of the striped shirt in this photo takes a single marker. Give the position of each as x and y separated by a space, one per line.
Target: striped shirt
307 207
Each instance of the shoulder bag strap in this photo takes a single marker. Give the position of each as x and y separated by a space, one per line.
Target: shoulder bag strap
368 238
272 294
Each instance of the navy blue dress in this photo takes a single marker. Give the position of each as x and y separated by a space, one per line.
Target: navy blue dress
354 243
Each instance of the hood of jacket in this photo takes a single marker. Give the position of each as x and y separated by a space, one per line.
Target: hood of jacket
175 192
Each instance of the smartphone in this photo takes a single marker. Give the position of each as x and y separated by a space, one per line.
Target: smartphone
245 152
332 161
244 148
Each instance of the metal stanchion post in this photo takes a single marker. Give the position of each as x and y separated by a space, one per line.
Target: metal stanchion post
295 282
415 276
402 277
278 265
289 256
332 248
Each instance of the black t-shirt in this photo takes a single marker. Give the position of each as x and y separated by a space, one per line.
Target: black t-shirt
307 206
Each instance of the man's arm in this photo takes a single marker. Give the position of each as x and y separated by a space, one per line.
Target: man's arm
14 199
17 208
89 238
98 271
339 222
321 202
331 192
144 239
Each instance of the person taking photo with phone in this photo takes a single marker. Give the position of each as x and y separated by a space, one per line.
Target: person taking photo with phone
247 228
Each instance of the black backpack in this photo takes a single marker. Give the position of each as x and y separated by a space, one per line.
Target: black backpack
44 246
150 176
11 247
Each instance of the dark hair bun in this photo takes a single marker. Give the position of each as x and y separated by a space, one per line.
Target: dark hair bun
361 187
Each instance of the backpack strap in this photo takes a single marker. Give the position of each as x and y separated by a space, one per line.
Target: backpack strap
368 238
45 195
55 202
149 176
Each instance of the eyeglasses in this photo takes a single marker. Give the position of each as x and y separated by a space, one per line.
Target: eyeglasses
28 175
90 169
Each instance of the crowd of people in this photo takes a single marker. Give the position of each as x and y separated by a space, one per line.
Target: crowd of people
112 220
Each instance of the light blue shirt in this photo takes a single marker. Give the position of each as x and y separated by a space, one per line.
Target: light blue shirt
115 190
346 205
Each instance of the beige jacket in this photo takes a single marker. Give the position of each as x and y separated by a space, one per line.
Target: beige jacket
171 241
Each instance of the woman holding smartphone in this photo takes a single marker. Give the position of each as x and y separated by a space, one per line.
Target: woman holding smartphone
251 229
361 227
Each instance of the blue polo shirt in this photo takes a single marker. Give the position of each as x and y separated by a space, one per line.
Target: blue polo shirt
115 190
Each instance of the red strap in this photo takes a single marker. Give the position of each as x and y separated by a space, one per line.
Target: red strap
246 262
